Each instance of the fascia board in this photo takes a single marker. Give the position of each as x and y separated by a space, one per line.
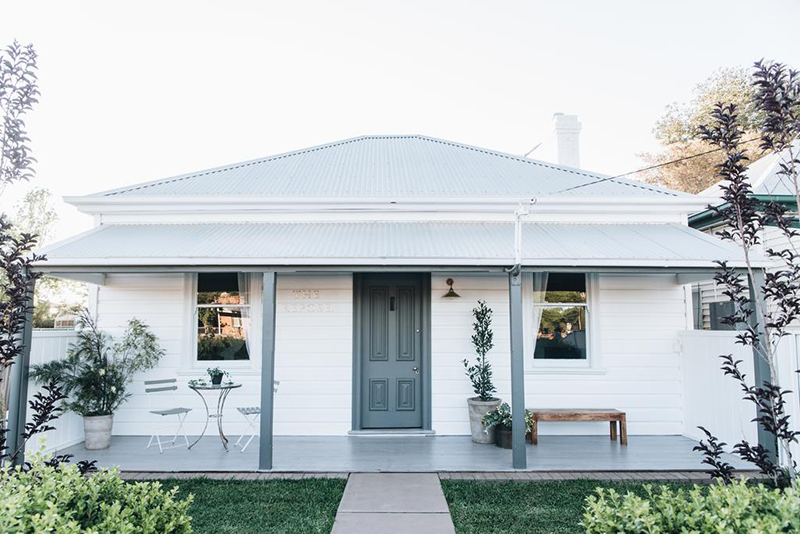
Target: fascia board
478 262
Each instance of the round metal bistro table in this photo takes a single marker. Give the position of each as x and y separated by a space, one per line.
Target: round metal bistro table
224 390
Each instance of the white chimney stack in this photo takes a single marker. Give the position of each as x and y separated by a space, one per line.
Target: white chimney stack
568 130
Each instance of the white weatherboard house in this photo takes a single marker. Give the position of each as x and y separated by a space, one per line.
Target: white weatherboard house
340 256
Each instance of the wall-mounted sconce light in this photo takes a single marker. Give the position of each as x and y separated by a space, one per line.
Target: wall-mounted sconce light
451 294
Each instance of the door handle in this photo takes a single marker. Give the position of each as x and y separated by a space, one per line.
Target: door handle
391 303
415 369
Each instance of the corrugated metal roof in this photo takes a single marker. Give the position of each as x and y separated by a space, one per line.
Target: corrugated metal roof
392 243
763 175
390 166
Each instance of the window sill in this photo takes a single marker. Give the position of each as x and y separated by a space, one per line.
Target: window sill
566 371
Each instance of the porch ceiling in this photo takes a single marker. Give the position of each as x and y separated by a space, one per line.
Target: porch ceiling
479 244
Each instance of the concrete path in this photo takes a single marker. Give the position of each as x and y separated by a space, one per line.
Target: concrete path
393 503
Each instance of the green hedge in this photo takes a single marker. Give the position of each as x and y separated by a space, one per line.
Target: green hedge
65 502
738 508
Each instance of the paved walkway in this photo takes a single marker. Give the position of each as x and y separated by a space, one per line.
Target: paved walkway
393 503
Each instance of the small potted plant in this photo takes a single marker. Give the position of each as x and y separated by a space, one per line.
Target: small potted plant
480 374
216 374
500 420
96 372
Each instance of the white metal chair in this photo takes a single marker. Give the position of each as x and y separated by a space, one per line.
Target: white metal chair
154 388
251 415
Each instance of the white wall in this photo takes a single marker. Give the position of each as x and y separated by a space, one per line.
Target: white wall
48 345
313 352
637 364
636 361
711 399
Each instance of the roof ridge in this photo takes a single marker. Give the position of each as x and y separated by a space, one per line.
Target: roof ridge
333 144
231 166
547 165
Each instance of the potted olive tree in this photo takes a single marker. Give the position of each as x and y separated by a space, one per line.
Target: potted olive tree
96 372
480 374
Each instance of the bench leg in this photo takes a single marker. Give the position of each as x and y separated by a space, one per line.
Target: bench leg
535 432
613 425
623 431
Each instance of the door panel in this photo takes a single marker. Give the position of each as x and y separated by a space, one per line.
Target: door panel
391 344
379 323
378 392
405 324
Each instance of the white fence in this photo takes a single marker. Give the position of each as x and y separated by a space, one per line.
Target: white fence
711 399
49 345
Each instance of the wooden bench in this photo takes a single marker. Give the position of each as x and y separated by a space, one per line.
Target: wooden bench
612 416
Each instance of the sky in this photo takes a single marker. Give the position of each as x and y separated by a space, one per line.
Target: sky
142 90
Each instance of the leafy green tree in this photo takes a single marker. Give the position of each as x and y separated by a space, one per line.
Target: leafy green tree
676 131
19 92
36 215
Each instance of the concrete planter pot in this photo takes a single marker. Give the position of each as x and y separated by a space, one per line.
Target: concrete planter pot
477 409
97 431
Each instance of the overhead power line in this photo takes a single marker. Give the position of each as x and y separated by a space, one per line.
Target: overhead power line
651 167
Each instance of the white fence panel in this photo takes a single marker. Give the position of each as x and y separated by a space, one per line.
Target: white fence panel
711 399
50 345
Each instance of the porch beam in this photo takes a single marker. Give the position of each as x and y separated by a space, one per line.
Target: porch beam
312 269
267 371
18 386
761 370
520 460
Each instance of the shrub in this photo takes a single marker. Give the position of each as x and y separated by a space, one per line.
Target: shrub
737 508
501 416
61 500
97 370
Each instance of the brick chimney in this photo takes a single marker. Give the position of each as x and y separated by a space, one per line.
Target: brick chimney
568 130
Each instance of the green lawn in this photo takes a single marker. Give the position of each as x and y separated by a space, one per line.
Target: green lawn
522 507
285 506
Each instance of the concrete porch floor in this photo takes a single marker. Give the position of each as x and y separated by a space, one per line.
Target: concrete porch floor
405 454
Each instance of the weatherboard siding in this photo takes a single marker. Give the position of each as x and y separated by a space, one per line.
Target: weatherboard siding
773 238
313 353
639 368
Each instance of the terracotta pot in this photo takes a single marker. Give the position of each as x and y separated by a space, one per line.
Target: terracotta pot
97 431
477 409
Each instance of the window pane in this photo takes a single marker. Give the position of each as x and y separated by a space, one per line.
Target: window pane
218 288
562 334
220 334
566 287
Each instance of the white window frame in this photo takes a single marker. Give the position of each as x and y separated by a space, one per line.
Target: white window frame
589 365
190 365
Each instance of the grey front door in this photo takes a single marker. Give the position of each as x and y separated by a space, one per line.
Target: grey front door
391 351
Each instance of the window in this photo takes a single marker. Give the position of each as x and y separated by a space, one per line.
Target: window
222 312
560 316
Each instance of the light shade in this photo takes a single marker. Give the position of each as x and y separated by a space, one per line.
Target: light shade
451 294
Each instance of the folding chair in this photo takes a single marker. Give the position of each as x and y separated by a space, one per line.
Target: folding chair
251 415
156 387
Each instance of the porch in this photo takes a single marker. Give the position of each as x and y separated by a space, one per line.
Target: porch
313 348
406 454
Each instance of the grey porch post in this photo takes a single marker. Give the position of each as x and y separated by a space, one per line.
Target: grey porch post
267 371
520 460
18 390
760 366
